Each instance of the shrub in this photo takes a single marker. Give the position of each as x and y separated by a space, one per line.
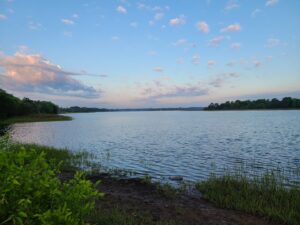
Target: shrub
31 193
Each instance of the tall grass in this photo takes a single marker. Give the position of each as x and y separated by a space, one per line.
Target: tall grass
266 195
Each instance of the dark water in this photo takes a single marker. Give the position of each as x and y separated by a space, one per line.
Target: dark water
188 144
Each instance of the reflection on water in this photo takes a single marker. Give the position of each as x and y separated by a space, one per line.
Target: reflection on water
188 144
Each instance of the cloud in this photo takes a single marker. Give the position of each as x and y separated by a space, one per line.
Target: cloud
33 73
231 28
232 4
257 63
271 2
272 42
75 15
235 46
115 38
67 33
203 26
216 41
160 90
3 17
121 9
152 53
255 12
181 42
158 16
158 69
177 21
221 79
67 22
211 63
133 24
195 59
34 25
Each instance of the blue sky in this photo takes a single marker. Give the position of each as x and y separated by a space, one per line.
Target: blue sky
149 53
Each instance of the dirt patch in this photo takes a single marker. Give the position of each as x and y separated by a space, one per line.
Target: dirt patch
135 197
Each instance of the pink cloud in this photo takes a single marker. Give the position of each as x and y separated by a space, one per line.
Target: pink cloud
177 21
231 28
121 9
203 26
216 41
33 73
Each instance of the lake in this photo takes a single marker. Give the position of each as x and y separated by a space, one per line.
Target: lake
178 143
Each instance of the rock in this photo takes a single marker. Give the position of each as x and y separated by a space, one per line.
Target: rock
176 178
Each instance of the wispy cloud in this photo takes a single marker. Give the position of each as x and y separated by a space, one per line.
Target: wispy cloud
235 45
158 69
181 42
3 17
33 73
232 4
221 79
255 12
216 41
272 42
271 2
177 21
211 63
134 24
67 21
34 25
158 16
121 9
231 28
203 26
115 38
75 16
257 63
195 59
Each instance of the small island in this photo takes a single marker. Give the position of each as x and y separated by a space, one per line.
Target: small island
285 103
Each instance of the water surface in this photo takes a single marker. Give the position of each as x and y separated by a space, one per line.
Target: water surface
188 144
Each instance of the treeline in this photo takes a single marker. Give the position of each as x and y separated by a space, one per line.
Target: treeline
77 109
11 106
285 103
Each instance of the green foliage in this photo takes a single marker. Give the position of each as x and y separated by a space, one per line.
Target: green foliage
11 106
285 103
31 193
265 196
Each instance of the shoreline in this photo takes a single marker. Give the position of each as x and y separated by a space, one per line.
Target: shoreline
135 201
35 118
140 201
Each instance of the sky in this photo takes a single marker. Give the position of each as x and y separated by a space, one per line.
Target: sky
134 54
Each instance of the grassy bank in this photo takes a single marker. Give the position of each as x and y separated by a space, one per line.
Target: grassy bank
266 196
35 118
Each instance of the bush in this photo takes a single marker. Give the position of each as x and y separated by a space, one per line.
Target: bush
31 193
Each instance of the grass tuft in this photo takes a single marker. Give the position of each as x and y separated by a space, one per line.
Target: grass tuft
265 196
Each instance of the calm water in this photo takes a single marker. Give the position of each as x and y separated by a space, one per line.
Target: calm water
188 144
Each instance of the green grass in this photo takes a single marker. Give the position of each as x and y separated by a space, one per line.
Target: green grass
266 196
35 118
67 160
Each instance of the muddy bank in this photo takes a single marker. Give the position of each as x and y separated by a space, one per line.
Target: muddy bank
136 197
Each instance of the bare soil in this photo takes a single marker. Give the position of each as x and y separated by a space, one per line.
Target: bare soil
135 197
